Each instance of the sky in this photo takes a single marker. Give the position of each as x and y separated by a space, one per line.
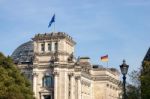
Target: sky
119 28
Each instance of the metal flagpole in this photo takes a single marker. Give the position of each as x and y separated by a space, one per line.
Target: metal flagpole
107 64
107 61
54 26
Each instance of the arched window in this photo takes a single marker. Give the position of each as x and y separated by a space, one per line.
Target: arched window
47 81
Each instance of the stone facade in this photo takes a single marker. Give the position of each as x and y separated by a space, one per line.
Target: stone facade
49 62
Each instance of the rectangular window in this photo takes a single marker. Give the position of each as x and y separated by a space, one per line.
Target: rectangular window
47 97
56 47
49 47
42 47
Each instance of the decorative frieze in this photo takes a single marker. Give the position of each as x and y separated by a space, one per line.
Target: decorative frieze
52 53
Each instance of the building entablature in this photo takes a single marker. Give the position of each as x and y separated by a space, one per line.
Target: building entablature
106 71
105 78
53 36
51 53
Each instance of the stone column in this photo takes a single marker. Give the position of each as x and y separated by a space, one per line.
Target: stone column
35 75
72 87
78 87
56 85
52 47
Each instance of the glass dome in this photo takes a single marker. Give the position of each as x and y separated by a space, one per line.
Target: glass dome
24 53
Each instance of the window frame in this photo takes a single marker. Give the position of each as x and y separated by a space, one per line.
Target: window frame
49 46
48 81
42 47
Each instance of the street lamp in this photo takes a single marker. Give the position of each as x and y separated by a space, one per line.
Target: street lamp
124 69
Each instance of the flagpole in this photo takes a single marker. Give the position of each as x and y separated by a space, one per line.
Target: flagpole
107 64
105 59
54 27
54 22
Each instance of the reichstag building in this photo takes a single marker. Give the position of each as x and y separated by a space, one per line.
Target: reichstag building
48 61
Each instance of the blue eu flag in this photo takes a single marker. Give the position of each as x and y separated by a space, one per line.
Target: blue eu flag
52 20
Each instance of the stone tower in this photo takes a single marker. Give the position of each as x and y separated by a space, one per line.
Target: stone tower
54 47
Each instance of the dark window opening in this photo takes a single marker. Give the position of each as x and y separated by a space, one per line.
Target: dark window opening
56 46
42 47
49 47
47 97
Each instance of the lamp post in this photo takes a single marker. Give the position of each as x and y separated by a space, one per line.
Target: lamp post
124 69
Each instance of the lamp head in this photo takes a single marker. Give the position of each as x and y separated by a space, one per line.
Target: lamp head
124 68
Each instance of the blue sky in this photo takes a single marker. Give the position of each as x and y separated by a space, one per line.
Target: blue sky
119 28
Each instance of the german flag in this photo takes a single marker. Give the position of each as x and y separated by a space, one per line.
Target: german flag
104 58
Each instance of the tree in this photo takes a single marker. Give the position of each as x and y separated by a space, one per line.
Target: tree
13 85
140 88
133 89
145 80
133 92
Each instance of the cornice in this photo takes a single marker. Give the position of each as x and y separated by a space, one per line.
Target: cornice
105 69
51 53
106 78
53 36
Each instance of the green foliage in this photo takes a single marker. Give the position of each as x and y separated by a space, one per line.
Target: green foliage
145 80
133 90
140 89
13 85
